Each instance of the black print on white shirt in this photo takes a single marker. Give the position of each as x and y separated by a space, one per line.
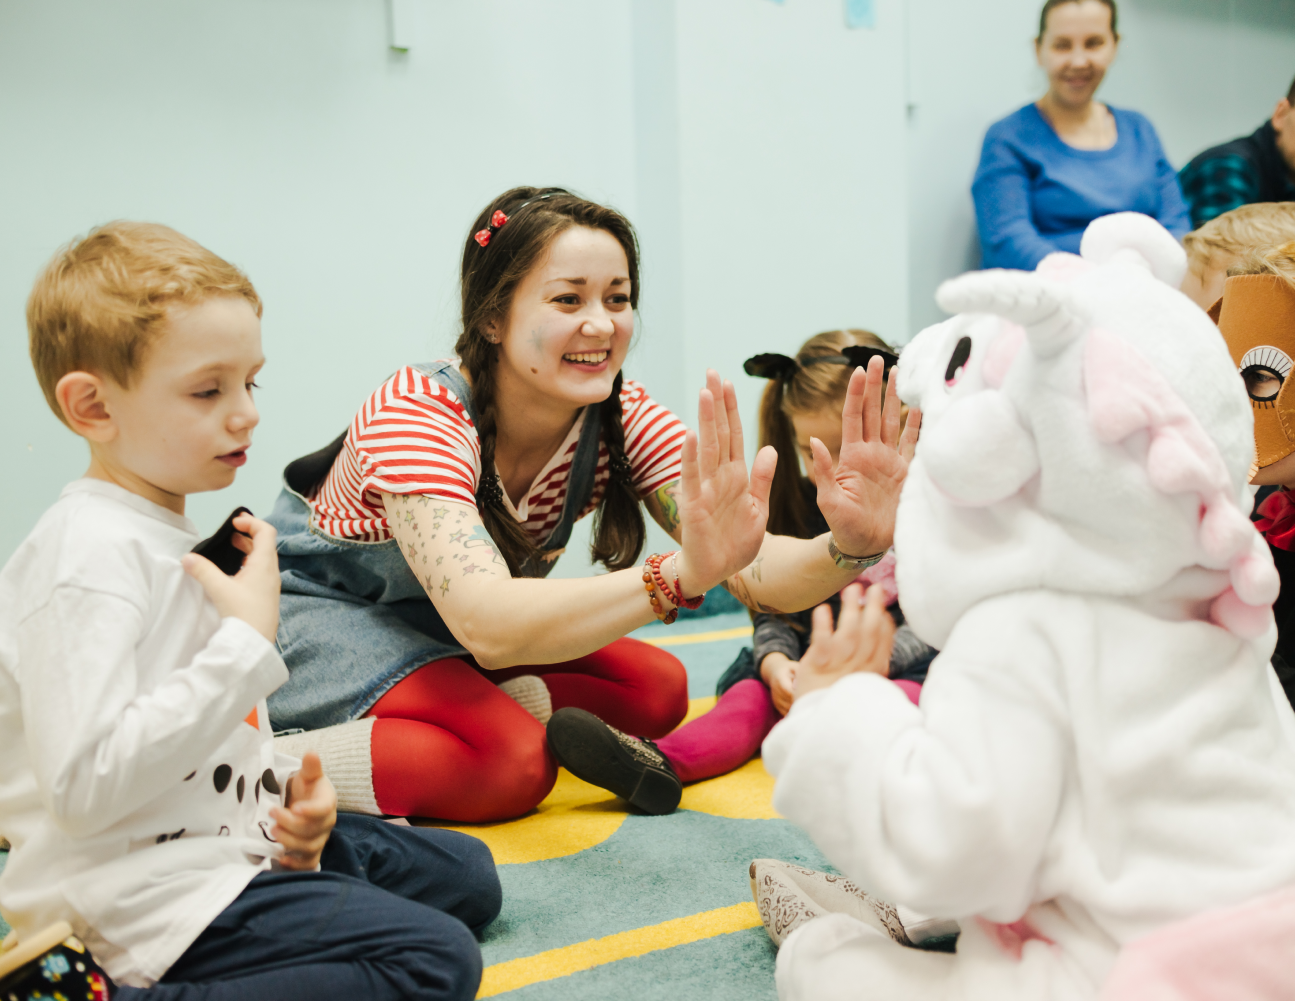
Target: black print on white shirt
220 778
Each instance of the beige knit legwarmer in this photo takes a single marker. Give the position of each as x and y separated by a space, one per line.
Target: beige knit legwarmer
530 692
347 755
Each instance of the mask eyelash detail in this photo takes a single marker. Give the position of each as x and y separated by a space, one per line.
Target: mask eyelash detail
1264 369
957 362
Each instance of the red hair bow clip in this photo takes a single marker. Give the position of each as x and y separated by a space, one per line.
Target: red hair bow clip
482 236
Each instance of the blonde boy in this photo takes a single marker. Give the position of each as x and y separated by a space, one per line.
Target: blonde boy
1226 240
142 793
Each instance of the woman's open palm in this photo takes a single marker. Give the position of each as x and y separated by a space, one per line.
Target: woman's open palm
722 512
859 497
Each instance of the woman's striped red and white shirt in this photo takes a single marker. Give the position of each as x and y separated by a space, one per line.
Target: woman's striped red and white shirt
413 436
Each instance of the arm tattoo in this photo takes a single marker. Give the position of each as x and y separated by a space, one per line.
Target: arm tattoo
481 538
738 588
668 498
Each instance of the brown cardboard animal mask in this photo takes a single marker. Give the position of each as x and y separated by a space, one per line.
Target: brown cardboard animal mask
1257 319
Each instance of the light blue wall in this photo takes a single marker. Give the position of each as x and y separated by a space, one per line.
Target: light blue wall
1204 71
287 136
786 174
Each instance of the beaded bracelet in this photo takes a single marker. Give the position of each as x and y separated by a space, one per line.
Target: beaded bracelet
678 597
654 564
650 569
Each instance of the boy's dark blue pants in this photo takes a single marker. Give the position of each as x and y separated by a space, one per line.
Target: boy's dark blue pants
392 915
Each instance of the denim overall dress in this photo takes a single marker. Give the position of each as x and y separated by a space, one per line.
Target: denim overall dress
353 618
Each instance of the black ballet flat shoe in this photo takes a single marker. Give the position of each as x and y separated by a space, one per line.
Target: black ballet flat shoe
632 768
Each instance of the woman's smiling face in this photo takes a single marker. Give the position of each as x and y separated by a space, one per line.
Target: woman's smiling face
1076 50
571 322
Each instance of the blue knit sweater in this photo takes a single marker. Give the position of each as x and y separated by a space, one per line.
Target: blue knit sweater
1035 195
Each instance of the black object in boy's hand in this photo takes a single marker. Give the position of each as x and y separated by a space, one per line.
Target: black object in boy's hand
220 548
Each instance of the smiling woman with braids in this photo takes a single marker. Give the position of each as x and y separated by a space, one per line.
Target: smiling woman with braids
425 649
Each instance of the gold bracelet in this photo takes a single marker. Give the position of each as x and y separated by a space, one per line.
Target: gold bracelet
857 564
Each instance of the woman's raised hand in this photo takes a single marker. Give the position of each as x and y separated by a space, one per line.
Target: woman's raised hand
722 513
859 497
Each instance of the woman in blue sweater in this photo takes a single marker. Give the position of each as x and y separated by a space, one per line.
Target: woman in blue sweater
1051 168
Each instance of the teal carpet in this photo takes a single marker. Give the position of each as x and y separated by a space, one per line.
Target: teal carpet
661 907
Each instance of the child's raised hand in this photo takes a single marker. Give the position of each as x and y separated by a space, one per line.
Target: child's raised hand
862 640
860 495
253 593
302 825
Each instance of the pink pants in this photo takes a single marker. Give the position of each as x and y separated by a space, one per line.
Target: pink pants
731 733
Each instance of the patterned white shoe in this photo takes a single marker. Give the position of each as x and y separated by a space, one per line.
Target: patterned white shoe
530 692
789 895
783 907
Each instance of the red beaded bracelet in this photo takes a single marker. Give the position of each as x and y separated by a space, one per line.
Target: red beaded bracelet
678 597
650 571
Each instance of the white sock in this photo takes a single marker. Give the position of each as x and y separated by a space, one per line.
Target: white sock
347 754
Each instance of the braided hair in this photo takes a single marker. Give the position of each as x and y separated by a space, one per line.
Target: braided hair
489 276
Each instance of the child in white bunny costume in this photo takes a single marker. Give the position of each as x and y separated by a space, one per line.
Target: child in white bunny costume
1102 753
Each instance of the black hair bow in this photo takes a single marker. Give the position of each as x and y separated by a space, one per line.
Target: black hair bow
776 366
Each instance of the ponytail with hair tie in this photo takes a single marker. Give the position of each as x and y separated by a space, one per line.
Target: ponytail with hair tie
817 377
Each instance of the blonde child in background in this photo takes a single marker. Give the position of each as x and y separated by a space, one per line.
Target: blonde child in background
804 399
1226 240
148 811
1257 318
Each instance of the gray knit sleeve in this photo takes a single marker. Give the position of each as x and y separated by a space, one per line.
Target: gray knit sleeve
774 634
909 656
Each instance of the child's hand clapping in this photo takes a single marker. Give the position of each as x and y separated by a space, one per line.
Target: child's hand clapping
253 593
302 825
862 641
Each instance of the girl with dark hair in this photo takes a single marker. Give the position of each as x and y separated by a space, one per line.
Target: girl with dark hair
425 651
802 401
1049 169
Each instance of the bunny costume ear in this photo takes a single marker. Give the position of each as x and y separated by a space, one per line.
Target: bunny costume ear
1045 309
1139 239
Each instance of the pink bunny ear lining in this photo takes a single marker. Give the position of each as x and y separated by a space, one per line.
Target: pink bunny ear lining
1063 267
1002 352
1126 394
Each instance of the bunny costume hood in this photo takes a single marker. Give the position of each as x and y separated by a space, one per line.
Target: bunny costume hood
1102 754
1083 430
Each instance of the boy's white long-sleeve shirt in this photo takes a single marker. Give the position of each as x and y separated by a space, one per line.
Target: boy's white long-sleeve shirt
139 766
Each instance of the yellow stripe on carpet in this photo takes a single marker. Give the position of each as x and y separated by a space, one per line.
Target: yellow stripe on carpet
563 962
710 637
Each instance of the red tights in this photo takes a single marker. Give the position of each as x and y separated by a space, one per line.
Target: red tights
448 743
